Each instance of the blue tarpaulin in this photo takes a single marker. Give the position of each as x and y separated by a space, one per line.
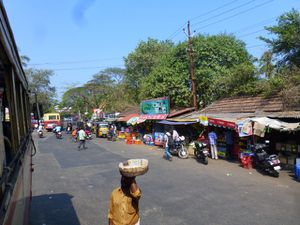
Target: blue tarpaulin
168 122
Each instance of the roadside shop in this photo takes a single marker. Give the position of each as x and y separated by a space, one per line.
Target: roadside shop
283 138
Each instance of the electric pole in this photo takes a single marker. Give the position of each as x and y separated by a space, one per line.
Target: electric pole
192 67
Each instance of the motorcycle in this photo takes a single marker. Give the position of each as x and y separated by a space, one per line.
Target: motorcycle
69 130
58 135
40 133
269 164
111 136
178 148
201 151
89 135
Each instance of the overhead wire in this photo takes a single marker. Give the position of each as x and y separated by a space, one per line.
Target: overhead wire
174 34
72 62
85 68
237 14
225 12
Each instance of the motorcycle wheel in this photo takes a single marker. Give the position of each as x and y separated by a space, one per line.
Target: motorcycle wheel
183 153
275 173
197 154
205 160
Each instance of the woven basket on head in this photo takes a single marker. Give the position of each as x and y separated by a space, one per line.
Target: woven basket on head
134 167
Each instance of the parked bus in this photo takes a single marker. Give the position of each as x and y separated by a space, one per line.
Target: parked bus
16 144
51 120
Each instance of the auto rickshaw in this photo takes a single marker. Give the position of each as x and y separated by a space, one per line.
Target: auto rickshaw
102 130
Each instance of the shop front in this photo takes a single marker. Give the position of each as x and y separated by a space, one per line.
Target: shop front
282 138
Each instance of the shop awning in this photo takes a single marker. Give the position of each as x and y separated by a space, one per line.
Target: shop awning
221 123
128 117
276 124
168 122
153 116
133 120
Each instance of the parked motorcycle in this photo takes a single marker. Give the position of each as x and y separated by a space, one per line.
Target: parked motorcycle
201 151
178 148
58 135
40 133
269 164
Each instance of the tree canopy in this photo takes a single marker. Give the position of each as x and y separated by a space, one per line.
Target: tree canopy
39 84
286 43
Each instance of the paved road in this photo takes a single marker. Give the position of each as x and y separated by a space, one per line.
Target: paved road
72 187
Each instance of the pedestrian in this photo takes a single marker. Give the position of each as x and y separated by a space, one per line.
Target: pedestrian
124 203
168 144
75 134
81 137
229 144
213 144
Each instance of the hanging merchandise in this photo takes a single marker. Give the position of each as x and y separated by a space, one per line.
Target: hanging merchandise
241 130
247 128
259 129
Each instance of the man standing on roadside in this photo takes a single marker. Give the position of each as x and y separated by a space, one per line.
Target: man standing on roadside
213 144
81 137
124 203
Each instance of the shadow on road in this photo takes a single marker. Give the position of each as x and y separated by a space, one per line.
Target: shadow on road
56 209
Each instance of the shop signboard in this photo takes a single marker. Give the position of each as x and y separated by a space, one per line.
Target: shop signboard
204 120
155 106
221 123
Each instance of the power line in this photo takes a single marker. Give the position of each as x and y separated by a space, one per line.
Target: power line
85 68
213 10
72 62
255 46
175 33
256 25
239 13
254 32
222 13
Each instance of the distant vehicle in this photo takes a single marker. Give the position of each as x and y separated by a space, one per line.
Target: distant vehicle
51 120
34 124
102 130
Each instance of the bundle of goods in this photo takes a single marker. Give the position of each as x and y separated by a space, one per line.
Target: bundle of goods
134 167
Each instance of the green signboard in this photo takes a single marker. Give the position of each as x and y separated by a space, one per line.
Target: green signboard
156 106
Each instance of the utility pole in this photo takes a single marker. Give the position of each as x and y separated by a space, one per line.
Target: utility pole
192 68
37 108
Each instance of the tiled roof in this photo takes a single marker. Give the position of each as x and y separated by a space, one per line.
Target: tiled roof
180 112
130 110
246 105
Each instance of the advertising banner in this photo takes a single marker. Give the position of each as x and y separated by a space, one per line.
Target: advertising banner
155 106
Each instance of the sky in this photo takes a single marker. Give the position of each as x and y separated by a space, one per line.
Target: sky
78 38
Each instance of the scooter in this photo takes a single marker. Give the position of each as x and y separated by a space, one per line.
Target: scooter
200 151
58 135
178 148
269 164
89 135
41 135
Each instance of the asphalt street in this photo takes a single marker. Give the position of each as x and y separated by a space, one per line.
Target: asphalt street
72 187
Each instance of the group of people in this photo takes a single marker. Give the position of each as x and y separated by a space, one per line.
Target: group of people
172 136
79 134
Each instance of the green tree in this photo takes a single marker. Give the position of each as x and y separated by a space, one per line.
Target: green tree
285 44
39 83
217 60
140 63
266 65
